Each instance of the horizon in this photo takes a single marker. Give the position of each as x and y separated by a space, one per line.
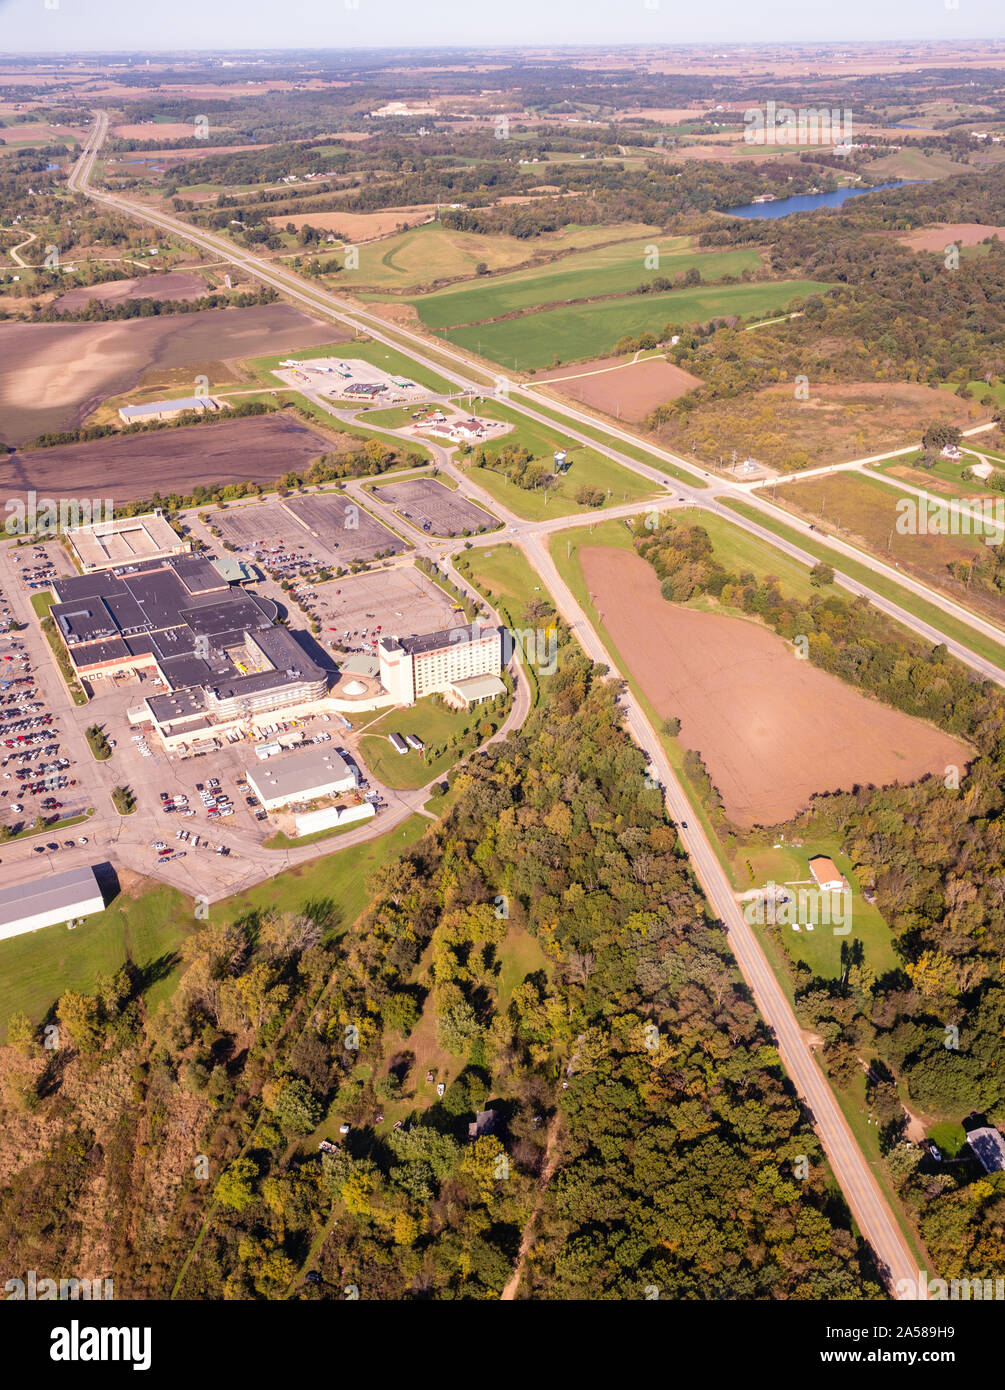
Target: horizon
64 28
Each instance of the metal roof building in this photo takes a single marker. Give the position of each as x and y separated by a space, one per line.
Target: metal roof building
317 771
56 898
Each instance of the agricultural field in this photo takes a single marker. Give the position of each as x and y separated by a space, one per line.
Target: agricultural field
608 270
773 731
53 375
628 388
432 252
554 336
131 467
170 285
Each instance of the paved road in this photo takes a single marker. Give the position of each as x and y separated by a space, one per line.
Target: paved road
523 397
870 1209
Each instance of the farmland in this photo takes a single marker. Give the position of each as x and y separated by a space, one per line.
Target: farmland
256 449
53 375
772 731
565 335
432 252
614 269
622 386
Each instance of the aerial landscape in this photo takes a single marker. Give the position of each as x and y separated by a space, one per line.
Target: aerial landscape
502 665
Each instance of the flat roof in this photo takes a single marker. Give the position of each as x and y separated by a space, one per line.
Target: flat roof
69 890
445 637
300 772
123 540
478 687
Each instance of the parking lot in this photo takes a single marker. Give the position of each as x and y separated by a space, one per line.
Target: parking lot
299 536
39 786
435 509
400 601
353 380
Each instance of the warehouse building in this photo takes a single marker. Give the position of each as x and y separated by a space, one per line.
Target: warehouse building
317 771
57 898
167 410
411 667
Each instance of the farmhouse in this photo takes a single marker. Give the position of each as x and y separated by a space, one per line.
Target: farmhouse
411 667
827 874
56 898
167 410
301 776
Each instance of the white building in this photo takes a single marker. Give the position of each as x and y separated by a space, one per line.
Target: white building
412 667
311 821
305 776
55 898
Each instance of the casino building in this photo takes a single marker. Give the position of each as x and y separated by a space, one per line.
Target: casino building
217 648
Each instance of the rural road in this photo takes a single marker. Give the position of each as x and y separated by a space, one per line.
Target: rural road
870 1209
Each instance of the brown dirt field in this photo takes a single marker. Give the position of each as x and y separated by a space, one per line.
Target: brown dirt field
258 449
937 238
625 389
174 285
153 130
53 375
360 226
772 730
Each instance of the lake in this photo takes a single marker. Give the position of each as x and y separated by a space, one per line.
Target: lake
807 202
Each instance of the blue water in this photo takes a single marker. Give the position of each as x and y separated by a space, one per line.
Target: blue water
807 202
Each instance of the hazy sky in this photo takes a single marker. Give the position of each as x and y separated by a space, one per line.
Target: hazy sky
87 25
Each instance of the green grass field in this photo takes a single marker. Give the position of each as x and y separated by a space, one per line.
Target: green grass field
433 252
37 967
434 724
607 270
592 330
148 928
819 948
509 582
587 468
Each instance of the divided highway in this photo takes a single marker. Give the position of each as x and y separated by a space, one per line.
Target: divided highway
866 1201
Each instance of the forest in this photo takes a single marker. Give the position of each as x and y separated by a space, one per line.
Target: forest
624 1089
931 855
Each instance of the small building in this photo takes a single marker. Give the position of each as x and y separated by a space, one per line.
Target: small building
48 901
483 1123
827 875
474 691
332 816
167 410
950 452
303 776
988 1147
